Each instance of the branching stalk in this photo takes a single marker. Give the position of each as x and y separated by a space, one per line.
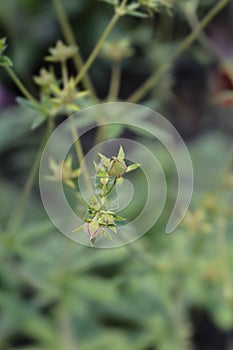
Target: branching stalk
155 78
19 84
97 47
115 81
69 36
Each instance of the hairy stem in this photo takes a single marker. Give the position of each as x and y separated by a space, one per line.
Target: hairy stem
17 215
155 78
70 39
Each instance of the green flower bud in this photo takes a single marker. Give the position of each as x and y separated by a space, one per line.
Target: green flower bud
117 168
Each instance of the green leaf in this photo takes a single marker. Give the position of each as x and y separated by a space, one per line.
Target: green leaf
132 167
112 2
138 14
105 159
119 218
2 45
121 154
112 228
40 118
80 229
27 104
107 234
5 61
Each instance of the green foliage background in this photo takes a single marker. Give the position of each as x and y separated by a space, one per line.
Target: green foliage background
55 294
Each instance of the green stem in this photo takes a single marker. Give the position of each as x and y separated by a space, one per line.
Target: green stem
65 78
17 215
155 78
115 81
19 84
69 36
110 189
80 154
190 11
222 253
67 336
97 47
225 172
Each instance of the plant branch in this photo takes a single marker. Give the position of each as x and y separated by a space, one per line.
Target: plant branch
155 78
19 84
17 215
115 81
80 154
190 11
97 47
70 39
110 189
64 71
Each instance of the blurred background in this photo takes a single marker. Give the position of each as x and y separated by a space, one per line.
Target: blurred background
166 292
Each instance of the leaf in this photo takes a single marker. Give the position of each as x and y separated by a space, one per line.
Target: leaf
137 14
112 228
107 234
27 104
119 218
5 61
40 118
132 167
112 2
80 228
105 159
121 154
14 125
2 45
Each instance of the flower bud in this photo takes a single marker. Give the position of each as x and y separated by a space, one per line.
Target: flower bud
117 168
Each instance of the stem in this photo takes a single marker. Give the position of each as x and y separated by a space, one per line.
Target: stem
97 47
69 36
110 189
190 11
222 252
64 74
155 78
17 215
66 333
19 84
80 154
115 81
112 96
225 172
